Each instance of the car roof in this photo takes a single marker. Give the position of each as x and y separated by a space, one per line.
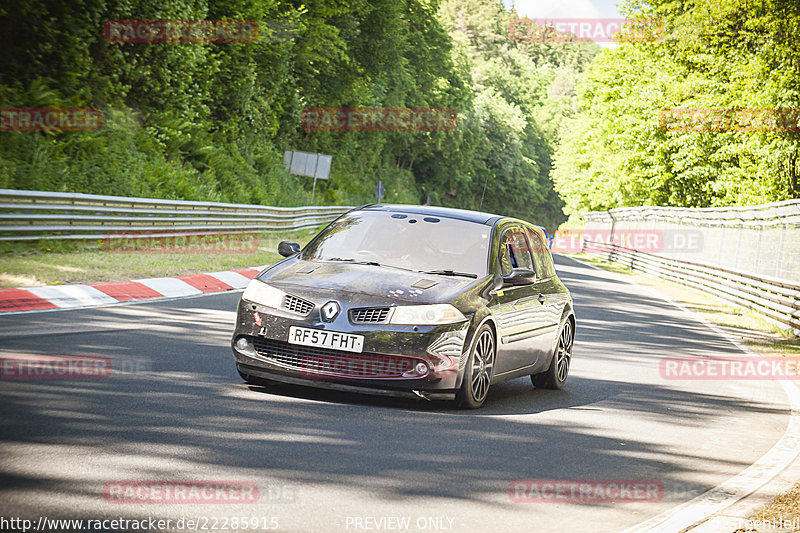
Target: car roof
460 214
448 212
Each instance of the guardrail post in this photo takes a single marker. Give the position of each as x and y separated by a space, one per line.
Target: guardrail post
779 262
613 226
738 244
757 263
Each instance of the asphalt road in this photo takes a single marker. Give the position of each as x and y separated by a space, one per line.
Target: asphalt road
174 409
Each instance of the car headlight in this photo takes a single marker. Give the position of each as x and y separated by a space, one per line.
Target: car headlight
426 315
260 293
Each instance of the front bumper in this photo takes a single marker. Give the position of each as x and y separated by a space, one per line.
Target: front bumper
397 348
260 372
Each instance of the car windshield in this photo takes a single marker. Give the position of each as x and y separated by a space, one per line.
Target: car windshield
424 243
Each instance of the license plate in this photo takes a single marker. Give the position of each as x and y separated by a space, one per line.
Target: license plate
326 339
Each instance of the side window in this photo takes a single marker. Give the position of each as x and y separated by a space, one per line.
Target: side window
506 259
515 252
541 256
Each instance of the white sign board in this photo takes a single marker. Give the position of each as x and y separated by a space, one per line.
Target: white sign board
317 166
323 166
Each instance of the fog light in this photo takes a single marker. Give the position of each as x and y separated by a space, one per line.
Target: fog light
421 368
243 344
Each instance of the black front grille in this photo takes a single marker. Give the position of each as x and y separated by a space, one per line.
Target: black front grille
293 304
324 362
369 315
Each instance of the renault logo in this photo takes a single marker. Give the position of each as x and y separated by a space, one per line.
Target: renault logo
329 311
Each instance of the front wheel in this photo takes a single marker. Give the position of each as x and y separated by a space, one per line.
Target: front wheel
555 376
479 370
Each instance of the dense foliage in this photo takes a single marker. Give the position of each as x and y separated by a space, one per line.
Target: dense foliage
211 120
732 67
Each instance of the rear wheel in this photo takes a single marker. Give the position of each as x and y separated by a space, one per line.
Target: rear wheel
555 376
479 371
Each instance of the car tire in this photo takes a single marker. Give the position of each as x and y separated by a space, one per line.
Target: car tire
555 376
478 371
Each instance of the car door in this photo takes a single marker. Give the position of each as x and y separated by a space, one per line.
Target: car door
517 310
550 298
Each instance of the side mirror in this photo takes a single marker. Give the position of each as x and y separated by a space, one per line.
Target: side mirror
287 249
519 276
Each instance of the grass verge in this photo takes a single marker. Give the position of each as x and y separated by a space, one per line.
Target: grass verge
31 267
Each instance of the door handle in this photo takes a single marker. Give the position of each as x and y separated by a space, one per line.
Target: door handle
541 298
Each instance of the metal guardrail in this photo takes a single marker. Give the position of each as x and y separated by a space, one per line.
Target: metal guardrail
34 215
782 213
760 239
776 299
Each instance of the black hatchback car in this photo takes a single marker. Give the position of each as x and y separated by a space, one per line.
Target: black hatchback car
404 300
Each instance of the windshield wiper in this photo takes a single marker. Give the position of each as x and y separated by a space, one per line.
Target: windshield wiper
355 261
371 263
443 272
446 272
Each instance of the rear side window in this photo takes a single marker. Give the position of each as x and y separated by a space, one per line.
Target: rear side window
515 252
541 256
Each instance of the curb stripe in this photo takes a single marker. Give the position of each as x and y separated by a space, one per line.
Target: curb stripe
170 287
22 300
73 296
249 273
53 297
232 279
205 283
126 291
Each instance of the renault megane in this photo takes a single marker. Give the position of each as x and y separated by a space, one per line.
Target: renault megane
429 302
